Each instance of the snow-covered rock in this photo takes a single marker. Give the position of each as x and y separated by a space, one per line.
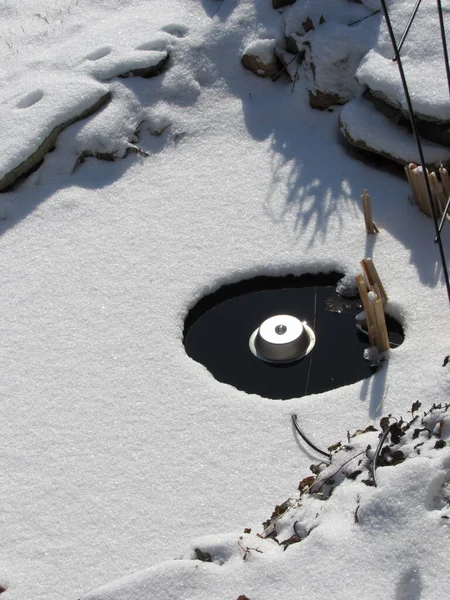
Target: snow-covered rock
332 55
259 57
422 60
36 110
368 129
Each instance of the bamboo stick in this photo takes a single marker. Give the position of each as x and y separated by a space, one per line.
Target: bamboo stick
372 277
409 170
423 196
382 337
445 181
368 307
367 209
438 193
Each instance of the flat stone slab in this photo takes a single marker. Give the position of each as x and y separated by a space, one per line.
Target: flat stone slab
422 60
368 129
34 113
107 62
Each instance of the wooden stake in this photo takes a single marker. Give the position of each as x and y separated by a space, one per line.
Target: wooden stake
372 277
367 209
382 337
438 193
410 177
368 307
445 181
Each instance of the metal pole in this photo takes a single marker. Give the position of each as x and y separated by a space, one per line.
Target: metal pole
419 145
444 42
408 27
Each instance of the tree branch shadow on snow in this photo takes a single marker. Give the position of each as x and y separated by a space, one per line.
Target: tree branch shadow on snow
313 178
305 189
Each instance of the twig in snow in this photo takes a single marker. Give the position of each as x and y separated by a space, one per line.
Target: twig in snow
337 471
275 77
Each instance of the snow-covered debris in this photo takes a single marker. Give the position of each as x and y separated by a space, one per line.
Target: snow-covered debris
332 55
34 112
143 63
309 14
382 489
330 39
366 128
259 57
422 58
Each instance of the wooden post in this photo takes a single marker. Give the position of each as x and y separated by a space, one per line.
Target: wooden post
438 193
382 337
445 181
409 170
368 308
372 277
367 209
373 303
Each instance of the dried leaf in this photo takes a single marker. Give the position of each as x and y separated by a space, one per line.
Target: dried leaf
440 444
308 25
384 423
203 556
334 447
306 483
292 540
415 406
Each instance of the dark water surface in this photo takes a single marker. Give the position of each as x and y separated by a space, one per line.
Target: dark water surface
218 329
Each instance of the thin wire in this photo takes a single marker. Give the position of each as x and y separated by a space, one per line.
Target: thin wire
306 439
444 215
419 145
444 42
407 28
314 329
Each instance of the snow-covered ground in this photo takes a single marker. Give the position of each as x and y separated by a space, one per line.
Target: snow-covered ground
118 450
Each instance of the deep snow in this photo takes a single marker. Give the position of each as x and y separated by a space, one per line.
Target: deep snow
117 448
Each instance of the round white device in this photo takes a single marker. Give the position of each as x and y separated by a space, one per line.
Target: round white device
282 339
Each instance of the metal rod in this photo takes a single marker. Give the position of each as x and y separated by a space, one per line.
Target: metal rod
405 33
419 145
307 440
444 214
447 71
444 42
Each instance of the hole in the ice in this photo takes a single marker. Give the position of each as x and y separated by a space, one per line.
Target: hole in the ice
30 99
175 29
99 53
312 346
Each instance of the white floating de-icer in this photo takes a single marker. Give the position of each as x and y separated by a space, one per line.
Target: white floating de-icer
282 339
